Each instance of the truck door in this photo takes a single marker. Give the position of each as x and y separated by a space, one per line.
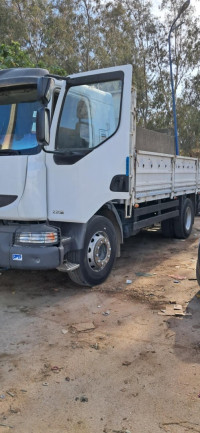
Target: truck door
91 125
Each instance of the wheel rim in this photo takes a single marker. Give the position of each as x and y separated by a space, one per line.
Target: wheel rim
99 251
188 218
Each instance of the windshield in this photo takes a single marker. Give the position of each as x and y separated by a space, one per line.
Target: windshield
18 127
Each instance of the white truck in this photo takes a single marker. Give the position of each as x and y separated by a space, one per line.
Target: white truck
74 182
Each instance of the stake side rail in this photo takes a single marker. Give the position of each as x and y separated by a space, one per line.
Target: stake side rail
161 176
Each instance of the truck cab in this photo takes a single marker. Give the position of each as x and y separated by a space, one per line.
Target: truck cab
54 190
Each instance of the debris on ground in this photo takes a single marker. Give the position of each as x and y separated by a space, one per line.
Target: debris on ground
15 410
95 346
128 281
6 425
56 369
81 327
64 331
170 311
121 431
10 393
144 274
173 310
126 363
83 399
106 313
178 307
178 277
24 309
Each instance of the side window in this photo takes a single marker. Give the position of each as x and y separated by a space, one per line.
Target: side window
89 116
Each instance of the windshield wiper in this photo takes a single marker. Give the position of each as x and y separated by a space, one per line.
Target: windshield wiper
6 152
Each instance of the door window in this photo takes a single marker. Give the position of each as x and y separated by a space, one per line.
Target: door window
90 115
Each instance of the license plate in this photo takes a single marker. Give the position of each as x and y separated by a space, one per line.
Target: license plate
17 257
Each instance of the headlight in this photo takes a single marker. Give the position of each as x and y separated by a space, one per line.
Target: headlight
44 238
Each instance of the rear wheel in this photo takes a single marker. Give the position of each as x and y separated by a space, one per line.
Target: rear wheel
98 254
183 224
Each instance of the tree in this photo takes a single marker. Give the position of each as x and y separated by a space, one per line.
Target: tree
12 56
113 45
85 24
143 31
32 15
60 37
188 108
185 43
11 27
68 36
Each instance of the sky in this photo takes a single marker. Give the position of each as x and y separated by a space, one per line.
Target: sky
157 3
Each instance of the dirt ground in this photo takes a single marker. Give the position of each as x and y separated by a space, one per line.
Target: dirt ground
123 357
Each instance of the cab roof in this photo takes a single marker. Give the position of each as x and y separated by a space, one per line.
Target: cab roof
17 76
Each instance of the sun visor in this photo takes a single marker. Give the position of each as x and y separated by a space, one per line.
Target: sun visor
28 84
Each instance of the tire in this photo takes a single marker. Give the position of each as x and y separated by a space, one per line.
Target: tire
98 254
183 224
167 227
198 272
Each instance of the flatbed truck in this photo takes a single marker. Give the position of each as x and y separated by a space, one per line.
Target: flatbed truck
77 176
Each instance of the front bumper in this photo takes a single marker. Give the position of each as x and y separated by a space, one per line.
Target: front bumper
30 256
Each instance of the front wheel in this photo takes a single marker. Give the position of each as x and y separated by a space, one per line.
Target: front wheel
98 254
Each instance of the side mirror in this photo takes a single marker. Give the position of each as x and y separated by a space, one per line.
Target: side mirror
43 126
44 88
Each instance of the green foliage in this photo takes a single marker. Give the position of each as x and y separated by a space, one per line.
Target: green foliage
189 129
188 111
12 56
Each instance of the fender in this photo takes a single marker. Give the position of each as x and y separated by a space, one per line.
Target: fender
110 212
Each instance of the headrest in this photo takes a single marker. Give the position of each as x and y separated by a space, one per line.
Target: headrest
82 111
